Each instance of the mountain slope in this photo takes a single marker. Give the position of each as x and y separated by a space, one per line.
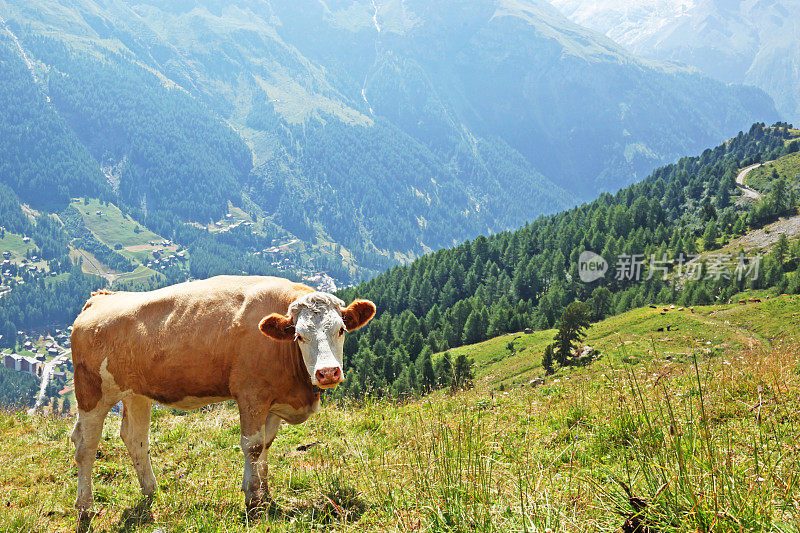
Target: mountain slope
515 358
572 103
389 129
757 43
646 235
297 169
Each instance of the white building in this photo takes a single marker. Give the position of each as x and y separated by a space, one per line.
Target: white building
22 363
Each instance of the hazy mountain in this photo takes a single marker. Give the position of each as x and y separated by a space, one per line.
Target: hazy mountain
756 42
389 128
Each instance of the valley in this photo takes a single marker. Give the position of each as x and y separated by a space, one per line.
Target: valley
256 114
690 214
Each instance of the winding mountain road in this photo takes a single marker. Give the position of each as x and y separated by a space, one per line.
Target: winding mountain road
747 192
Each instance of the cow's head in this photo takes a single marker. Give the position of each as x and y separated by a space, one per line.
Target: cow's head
318 322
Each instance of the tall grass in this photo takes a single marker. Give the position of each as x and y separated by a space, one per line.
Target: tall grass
709 444
706 457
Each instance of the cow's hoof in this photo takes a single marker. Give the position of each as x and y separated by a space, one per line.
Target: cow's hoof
85 517
255 511
256 507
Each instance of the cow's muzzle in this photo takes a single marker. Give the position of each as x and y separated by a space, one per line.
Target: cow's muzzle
328 377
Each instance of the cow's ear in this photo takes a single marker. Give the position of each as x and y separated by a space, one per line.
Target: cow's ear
278 327
357 314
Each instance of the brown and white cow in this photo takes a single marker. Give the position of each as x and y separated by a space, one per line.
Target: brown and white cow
266 342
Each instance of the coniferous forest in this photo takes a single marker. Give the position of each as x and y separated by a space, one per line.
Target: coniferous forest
371 148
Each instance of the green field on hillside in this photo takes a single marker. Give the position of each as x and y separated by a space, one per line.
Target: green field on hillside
122 234
90 264
14 243
634 336
116 230
139 274
702 442
787 167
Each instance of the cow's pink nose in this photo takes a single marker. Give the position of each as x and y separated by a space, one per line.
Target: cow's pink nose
329 376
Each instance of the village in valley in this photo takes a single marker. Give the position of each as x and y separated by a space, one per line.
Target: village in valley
45 354
20 270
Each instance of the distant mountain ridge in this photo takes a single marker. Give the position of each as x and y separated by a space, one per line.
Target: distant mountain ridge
741 41
386 128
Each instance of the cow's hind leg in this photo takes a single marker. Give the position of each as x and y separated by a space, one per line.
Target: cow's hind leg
135 433
86 437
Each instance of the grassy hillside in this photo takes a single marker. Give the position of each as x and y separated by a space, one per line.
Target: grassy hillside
645 234
787 167
119 232
705 441
14 244
633 336
114 228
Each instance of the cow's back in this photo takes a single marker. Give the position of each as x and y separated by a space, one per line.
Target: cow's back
176 342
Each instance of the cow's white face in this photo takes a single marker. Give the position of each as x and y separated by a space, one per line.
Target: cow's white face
318 321
321 338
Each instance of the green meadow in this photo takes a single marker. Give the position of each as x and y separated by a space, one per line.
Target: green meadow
787 167
14 243
634 336
111 226
694 429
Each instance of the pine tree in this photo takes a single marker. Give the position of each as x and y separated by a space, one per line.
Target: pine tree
781 249
463 372
547 360
425 372
600 303
710 236
778 197
574 320
473 330
723 195
414 345
444 370
413 381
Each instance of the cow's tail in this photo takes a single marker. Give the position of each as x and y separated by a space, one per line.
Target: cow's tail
101 292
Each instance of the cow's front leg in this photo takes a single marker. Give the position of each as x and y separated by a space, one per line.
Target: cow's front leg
259 468
254 441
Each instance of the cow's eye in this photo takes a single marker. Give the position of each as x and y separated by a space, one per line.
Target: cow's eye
341 331
299 338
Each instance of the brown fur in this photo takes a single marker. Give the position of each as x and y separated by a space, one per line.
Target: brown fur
197 339
190 345
278 327
89 302
357 314
88 387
